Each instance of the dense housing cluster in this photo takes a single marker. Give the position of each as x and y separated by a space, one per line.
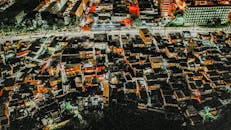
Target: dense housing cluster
54 80
40 15
106 13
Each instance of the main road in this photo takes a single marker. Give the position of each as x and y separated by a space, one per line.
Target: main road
77 32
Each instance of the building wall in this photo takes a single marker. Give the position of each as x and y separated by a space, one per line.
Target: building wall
164 7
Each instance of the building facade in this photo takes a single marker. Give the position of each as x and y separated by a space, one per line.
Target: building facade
204 15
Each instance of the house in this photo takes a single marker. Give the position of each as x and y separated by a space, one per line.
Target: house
145 35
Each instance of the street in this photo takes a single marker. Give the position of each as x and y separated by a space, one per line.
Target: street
73 33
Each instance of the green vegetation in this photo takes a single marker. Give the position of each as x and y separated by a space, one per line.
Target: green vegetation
206 115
